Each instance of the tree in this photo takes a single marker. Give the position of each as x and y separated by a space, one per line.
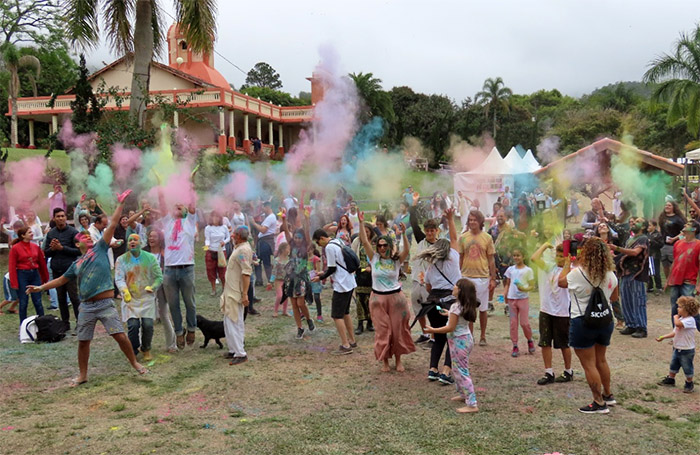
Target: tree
263 75
678 75
431 119
273 96
35 21
494 96
85 107
13 62
377 102
195 18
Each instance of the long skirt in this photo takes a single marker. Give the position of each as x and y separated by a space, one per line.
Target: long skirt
391 315
460 347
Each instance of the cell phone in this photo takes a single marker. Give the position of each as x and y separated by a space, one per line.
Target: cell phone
438 307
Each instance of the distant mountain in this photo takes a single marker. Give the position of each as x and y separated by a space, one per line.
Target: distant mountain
640 89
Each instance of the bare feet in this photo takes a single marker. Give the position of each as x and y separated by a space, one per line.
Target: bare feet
399 367
75 382
385 367
140 369
467 409
457 398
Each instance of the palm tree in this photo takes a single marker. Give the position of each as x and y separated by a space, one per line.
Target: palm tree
678 75
495 97
377 102
14 61
196 18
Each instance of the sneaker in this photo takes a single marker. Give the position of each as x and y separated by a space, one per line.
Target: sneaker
312 327
433 375
609 400
491 308
229 355
428 345
482 342
353 345
565 377
300 333
253 312
668 381
342 350
319 319
627 331
640 333
446 380
688 387
238 360
516 352
530 347
546 379
595 408
422 339
506 310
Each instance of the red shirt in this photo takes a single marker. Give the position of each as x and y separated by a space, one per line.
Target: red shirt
686 263
26 256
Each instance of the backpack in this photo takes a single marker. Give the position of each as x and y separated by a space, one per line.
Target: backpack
50 329
598 314
27 331
352 262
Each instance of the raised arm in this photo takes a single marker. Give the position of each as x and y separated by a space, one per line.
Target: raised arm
536 257
413 219
285 229
454 238
109 230
406 245
561 281
366 244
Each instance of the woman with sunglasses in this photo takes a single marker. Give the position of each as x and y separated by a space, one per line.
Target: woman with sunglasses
296 281
387 304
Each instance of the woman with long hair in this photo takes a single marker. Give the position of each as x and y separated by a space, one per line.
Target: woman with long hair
156 246
671 222
27 266
216 236
595 270
604 233
387 303
363 277
296 281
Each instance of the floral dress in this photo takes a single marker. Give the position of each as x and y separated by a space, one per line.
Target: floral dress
296 280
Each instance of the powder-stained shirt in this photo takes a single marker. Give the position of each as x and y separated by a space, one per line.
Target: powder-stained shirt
179 239
385 274
92 271
686 263
476 250
135 273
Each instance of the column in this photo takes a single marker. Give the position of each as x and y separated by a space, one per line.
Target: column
176 119
280 135
246 136
259 128
31 134
271 131
231 131
222 131
54 123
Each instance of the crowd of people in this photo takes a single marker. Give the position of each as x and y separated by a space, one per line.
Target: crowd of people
587 278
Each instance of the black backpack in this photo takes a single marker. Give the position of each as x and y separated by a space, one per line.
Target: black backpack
598 314
50 329
352 262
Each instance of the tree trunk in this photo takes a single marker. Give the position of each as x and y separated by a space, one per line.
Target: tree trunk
14 93
143 54
494 123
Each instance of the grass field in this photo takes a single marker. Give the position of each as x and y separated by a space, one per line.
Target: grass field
294 397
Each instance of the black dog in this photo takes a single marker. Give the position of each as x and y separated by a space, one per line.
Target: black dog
212 330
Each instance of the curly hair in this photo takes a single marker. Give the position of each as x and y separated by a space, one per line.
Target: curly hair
689 304
595 258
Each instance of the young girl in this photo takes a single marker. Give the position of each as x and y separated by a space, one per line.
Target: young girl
461 341
683 335
278 276
316 287
519 280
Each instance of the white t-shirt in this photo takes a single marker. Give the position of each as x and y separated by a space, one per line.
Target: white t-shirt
289 202
270 222
554 300
685 337
179 245
580 290
449 267
419 266
462 324
523 277
355 221
385 274
237 220
342 280
214 235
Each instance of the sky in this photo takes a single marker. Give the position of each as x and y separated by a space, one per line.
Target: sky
449 47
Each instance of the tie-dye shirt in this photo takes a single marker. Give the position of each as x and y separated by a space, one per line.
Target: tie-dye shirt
135 273
92 271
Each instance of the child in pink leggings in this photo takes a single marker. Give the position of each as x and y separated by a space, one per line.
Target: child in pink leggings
519 281
281 260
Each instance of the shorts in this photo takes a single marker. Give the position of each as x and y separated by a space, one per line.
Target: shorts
582 337
419 294
482 292
554 329
340 304
667 255
683 358
107 315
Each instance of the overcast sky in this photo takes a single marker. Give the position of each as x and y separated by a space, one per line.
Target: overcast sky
450 47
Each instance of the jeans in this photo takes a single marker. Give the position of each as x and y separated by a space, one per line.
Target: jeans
683 290
683 358
266 247
178 281
25 278
145 325
62 292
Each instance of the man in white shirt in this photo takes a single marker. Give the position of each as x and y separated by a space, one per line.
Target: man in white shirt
266 241
354 217
289 202
180 227
343 286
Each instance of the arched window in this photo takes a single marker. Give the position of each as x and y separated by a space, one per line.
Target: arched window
183 45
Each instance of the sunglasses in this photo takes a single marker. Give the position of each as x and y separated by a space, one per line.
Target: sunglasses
382 245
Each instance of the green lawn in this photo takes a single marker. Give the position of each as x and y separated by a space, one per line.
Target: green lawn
294 397
58 158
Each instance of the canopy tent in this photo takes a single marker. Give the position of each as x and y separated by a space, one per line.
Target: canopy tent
693 155
531 162
486 182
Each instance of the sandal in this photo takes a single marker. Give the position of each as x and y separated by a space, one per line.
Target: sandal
75 382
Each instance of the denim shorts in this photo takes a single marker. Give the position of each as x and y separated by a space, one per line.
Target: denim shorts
99 310
683 358
583 337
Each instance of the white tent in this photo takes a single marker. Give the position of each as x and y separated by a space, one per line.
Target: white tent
693 155
531 162
485 183
516 162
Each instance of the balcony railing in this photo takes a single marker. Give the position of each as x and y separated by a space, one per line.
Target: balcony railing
227 99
